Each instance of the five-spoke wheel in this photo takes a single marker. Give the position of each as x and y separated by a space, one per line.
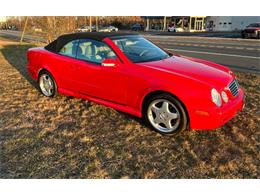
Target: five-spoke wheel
165 114
47 84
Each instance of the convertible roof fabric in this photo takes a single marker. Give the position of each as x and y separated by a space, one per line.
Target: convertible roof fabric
99 36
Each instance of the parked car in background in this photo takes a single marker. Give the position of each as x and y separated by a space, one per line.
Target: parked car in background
251 31
86 29
175 29
37 29
156 27
129 73
83 29
12 27
137 27
108 29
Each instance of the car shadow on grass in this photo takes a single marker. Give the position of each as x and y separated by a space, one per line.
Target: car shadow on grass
16 56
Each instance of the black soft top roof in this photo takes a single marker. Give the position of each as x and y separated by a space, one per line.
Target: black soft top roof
57 44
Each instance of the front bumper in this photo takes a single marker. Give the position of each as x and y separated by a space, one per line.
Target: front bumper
251 35
214 118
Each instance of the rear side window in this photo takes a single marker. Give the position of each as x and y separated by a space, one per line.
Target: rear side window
70 49
94 51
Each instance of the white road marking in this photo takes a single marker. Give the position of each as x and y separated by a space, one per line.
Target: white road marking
253 44
212 46
213 53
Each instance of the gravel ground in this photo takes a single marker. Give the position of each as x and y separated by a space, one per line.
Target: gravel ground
65 137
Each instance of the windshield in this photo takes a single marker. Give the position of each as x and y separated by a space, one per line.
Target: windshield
254 25
138 49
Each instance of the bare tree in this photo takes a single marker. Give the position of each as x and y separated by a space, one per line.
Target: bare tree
50 27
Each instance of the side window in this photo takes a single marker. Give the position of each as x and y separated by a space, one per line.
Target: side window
70 49
94 51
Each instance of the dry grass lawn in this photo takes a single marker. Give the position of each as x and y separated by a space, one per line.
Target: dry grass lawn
67 137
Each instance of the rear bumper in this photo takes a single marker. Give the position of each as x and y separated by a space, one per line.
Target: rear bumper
214 118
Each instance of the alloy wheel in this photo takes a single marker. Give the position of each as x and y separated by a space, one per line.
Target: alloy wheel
46 85
163 115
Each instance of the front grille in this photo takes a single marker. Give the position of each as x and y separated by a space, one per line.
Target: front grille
233 87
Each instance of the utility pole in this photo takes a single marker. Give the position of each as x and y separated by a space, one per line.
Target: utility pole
25 24
164 23
68 22
90 24
190 23
147 24
195 23
97 23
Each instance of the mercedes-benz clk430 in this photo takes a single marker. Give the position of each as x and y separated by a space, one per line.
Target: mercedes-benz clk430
131 74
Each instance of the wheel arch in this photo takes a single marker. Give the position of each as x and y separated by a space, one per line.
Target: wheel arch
159 92
41 70
49 71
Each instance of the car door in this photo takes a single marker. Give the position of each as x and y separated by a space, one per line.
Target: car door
107 83
66 65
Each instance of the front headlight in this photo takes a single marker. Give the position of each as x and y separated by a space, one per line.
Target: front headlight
216 97
224 96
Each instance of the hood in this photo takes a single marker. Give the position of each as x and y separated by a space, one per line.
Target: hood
201 70
252 28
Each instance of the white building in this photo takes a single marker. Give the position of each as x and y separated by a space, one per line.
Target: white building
229 23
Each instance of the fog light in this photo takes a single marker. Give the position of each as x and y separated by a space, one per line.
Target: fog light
224 96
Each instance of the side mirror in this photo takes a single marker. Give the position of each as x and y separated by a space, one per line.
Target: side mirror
109 62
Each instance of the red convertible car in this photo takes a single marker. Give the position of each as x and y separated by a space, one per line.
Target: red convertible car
131 74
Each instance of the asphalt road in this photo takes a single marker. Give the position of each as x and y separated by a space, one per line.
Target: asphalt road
238 54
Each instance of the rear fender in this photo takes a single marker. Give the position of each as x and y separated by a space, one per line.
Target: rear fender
52 72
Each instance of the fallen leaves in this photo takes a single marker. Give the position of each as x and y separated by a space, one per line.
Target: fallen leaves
65 137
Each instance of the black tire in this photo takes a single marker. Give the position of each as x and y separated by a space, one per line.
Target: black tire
52 80
183 124
258 35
